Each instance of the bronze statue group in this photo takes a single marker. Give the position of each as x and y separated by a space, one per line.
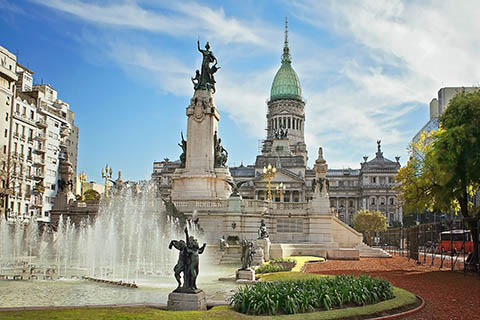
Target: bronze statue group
188 262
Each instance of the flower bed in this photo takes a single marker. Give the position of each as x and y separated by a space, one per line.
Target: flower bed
277 265
298 296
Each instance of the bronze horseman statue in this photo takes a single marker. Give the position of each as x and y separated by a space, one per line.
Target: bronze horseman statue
188 260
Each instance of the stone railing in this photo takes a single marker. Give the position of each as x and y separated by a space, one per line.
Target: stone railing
289 205
180 204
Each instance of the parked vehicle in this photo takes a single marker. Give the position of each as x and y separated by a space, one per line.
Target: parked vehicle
456 240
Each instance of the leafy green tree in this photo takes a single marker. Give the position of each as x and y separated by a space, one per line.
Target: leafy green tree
456 153
369 222
419 180
91 195
443 172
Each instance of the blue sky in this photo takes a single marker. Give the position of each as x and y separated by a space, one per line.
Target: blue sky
368 70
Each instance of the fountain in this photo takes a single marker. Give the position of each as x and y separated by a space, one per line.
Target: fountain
125 247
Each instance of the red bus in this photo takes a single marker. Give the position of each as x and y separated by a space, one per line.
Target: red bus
456 239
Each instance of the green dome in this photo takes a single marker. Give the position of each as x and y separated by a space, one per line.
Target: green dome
286 84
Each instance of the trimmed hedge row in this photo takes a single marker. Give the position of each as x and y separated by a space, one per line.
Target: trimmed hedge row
298 296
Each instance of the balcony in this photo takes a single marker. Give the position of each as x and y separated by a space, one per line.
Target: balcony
39 149
38 190
37 204
30 140
64 131
29 158
39 162
40 136
22 137
16 135
42 123
15 155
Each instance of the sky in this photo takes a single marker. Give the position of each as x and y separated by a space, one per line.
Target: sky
368 70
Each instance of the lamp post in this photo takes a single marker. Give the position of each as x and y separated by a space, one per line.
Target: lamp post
83 179
280 190
269 172
107 174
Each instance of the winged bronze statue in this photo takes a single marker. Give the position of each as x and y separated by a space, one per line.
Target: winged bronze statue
235 187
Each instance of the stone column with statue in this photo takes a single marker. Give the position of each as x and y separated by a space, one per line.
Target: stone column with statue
203 173
320 186
65 194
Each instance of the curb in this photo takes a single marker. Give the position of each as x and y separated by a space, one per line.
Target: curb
403 314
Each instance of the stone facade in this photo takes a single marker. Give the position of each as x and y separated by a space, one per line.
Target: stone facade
37 135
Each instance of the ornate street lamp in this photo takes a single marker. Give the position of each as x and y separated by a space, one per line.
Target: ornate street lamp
280 189
83 179
268 173
107 175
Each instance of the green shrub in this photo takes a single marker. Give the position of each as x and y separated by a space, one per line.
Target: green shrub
277 265
298 296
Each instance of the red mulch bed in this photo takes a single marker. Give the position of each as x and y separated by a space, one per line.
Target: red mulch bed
448 294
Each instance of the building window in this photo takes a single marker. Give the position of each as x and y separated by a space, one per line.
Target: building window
392 201
350 203
296 196
6 133
382 201
6 116
372 201
391 180
290 225
373 179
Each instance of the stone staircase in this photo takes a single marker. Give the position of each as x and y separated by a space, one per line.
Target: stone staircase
369 252
231 255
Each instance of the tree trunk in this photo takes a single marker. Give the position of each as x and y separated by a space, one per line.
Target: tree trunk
475 237
472 224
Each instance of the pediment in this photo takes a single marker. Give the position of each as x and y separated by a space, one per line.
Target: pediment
282 175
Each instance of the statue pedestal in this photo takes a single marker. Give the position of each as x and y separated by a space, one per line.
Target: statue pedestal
264 244
187 301
258 258
321 203
245 275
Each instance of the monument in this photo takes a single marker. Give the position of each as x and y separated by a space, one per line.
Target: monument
298 215
187 296
202 173
65 185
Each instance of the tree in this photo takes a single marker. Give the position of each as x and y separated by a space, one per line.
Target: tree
456 153
369 222
443 172
91 195
418 181
10 169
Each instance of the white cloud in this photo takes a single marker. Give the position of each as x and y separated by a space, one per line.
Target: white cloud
403 53
390 59
185 18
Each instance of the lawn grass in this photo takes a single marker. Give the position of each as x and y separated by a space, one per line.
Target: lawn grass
301 260
402 298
